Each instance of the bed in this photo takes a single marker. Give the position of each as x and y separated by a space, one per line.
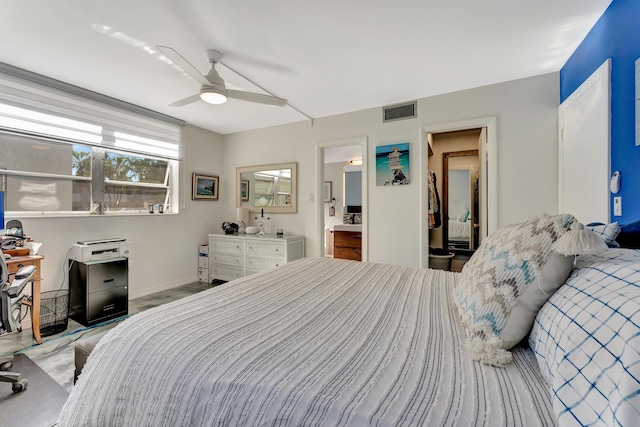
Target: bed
314 342
334 342
459 230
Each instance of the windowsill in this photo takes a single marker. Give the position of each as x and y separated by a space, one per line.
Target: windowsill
31 215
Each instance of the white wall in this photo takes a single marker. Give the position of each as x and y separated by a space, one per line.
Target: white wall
165 247
526 112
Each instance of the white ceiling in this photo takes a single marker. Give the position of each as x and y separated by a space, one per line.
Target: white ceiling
326 57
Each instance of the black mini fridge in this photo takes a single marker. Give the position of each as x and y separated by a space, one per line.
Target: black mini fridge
99 290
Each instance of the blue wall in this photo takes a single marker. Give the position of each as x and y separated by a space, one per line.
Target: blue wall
617 36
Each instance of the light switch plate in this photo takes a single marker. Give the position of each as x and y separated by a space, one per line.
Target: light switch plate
617 206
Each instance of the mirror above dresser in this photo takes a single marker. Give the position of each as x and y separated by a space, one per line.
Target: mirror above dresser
269 187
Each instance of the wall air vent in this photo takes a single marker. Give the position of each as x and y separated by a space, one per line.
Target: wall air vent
400 112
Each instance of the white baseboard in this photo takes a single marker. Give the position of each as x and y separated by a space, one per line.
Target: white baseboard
160 287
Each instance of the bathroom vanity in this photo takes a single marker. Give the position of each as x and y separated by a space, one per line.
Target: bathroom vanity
347 241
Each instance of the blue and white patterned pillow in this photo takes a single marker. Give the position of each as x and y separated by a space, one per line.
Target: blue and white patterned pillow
587 341
608 232
505 273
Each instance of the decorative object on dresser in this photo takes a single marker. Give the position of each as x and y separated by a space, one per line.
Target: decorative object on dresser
235 256
242 215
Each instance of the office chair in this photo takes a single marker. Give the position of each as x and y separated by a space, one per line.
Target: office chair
10 297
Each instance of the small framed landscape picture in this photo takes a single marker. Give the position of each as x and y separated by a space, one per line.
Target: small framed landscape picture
244 190
204 187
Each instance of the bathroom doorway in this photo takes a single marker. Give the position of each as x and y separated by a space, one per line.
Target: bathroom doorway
342 183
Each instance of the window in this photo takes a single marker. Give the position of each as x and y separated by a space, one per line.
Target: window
62 152
134 182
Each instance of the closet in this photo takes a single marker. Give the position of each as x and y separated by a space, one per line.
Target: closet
454 214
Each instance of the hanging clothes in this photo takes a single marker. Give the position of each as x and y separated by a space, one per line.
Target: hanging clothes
435 216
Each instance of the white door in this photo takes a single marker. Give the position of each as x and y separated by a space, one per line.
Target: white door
583 170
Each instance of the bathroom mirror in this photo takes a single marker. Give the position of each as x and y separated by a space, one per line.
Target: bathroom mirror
269 187
352 197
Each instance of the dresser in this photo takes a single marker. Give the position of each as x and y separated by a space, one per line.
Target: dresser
234 256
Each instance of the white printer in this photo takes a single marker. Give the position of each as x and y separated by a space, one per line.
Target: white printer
96 250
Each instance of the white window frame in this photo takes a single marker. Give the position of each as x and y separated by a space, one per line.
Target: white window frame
31 100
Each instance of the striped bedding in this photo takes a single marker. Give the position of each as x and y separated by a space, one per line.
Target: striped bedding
317 342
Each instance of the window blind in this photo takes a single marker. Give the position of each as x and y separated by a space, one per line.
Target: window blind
35 105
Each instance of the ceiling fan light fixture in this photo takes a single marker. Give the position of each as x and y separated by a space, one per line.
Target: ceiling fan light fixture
212 95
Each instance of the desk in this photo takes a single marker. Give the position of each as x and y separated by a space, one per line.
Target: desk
13 265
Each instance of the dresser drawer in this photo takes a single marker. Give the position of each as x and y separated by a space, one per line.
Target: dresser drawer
223 245
266 249
228 259
348 239
263 263
223 272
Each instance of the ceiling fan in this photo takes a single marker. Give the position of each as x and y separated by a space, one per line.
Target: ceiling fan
212 87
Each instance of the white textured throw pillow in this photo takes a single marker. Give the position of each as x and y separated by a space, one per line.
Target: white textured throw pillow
506 282
608 232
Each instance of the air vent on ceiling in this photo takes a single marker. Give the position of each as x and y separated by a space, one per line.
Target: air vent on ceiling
400 112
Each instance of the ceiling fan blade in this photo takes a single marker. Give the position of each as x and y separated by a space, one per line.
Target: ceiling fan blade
257 97
189 100
179 60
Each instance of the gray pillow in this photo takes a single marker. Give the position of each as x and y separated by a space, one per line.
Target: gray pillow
532 298
505 283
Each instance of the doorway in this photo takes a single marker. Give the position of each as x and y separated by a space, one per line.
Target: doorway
477 156
342 184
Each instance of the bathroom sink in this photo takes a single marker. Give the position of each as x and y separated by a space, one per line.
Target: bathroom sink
347 227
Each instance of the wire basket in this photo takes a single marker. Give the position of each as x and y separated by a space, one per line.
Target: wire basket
54 312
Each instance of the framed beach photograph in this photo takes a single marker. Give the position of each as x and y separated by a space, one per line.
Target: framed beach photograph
328 191
204 187
392 164
244 190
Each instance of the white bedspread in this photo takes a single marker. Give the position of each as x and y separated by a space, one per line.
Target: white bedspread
315 342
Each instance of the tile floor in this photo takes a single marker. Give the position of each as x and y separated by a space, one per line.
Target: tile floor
55 354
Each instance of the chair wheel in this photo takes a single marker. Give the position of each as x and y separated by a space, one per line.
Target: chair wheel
20 386
6 366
